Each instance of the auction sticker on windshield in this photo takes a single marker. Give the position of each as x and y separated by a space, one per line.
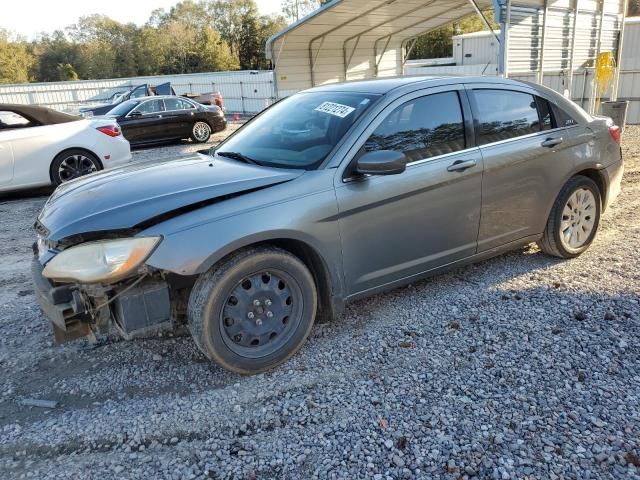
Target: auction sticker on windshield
336 109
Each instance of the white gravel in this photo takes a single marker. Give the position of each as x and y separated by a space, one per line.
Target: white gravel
522 367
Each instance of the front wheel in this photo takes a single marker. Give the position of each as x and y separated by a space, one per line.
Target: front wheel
200 132
574 219
73 164
254 310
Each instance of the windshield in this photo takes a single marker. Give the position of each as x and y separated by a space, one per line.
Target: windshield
123 108
299 131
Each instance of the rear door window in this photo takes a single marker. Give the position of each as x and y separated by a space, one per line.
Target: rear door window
422 128
504 114
177 104
546 118
151 106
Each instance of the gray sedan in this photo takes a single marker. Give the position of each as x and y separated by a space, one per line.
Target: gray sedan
330 195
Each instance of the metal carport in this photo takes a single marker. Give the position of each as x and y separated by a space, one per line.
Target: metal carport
357 39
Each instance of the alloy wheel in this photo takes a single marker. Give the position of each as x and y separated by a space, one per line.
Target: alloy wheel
75 166
201 131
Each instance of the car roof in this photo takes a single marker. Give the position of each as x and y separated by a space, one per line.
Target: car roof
381 86
152 97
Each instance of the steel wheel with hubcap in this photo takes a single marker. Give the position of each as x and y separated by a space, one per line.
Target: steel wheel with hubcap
578 218
253 310
574 219
73 164
200 132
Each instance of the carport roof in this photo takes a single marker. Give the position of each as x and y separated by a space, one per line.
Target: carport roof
342 20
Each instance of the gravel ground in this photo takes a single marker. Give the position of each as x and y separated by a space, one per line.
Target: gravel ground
523 366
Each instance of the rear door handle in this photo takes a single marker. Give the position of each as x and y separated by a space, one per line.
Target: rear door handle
552 142
461 165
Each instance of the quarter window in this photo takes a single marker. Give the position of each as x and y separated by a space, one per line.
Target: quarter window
504 114
563 119
422 128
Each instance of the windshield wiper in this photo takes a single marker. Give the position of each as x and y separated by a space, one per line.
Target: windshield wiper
238 156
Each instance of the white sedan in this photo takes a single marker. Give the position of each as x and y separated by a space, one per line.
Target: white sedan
40 146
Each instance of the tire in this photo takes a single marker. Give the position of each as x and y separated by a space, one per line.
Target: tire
574 219
72 164
200 132
241 335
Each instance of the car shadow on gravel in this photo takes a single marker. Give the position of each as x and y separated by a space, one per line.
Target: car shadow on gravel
26 194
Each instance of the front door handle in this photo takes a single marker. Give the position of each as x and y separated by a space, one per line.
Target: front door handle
552 142
461 165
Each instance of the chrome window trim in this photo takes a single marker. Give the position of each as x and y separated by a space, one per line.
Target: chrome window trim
529 135
438 157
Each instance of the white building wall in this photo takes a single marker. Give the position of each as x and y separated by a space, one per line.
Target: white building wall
475 48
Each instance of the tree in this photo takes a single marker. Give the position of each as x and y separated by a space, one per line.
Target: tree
248 46
51 51
192 36
294 10
15 60
216 54
102 33
150 50
96 59
66 72
268 26
195 14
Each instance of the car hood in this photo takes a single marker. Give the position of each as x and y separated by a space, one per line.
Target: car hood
124 198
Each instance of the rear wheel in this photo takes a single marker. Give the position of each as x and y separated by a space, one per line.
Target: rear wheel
200 132
574 219
73 164
254 310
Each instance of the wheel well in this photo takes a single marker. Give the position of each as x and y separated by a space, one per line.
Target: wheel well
595 175
68 150
316 265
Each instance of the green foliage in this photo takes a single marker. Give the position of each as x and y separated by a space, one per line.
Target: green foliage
193 36
15 60
66 72
438 43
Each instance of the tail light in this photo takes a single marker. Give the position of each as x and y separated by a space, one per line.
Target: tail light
614 131
218 98
111 130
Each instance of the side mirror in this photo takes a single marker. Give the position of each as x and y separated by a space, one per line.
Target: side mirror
135 113
382 162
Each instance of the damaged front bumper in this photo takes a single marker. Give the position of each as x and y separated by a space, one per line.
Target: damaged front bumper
63 305
137 309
